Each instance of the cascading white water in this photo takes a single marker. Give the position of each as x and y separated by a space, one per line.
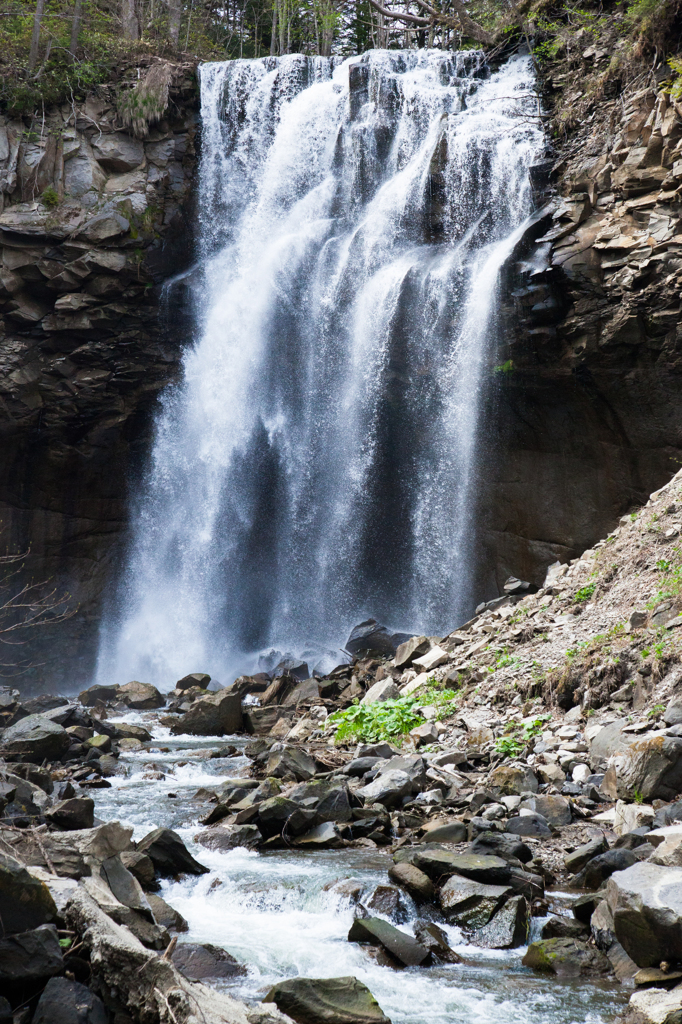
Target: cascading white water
318 461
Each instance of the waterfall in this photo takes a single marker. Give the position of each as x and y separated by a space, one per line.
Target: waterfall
317 464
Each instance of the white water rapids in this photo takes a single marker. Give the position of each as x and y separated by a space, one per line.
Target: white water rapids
318 463
273 914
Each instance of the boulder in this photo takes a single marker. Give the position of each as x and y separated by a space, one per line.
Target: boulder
597 870
651 768
435 940
25 902
140 866
279 812
132 732
531 825
200 679
563 928
291 761
501 844
585 906
646 903
329 799
610 740
32 954
230 837
68 1002
198 962
117 152
386 900
656 1006
668 853
411 649
471 904
445 832
508 928
35 738
673 713
165 915
668 815
370 638
259 721
513 780
126 887
423 734
360 765
76 813
415 882
140 696
326 1001
169 854
432 659
556 810
566 958
383 690
220 714
438 863
577 860
376 932
106 225
632 816
97 694
322 837
388 789
383 751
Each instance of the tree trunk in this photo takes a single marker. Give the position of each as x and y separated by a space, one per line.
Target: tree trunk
35 37
76 26
273 37
174 15
129 22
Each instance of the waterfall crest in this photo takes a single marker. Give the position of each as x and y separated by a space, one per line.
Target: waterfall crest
318 462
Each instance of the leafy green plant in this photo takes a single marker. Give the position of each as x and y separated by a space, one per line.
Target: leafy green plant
656 710
586 592
65 943
50 197
442 700
508 746
381 720
638 796
506 367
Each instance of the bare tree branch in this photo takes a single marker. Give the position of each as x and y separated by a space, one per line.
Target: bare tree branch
467 25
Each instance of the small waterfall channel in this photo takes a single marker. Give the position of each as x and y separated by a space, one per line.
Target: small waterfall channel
278 914
318 463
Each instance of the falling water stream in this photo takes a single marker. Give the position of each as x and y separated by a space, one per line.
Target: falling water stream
318 462
273 913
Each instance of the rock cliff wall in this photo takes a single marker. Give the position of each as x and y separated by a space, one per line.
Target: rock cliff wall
93 220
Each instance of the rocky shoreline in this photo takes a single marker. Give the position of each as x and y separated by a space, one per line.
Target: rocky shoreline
547 759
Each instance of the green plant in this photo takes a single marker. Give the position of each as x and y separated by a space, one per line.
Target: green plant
506 367
442 700
656 710
50 197
638 796
507 746
381 720
65 943
586 592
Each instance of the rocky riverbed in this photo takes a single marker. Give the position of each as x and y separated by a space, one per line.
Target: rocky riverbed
238 854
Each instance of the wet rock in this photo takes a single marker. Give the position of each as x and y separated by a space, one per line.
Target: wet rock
386 899
32 954
438 863
230 837
563 928
329 800
198 962
501 844
388 789
126 887
597 870
99 742
76 813
321 837
326 1001
360 765
220 714
435 940
471 904
577 860
169 854
585 906
6 1016
200 679
446 832
140 696
513 780
601 927
532 825
656 1006
279 812
97 694
370 638
25 902
415 882
165 915
291 761
567 958
375 931
35 738
68 1002
646 903
508 928
652 768
139 865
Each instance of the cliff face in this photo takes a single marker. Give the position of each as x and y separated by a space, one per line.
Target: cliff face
584 418
587 419
92 220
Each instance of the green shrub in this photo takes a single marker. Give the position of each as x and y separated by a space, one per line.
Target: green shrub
381 720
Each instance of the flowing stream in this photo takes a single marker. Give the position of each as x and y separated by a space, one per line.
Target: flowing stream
273 913
318 463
